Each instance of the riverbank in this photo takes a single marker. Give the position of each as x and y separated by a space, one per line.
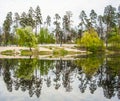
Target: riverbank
44 50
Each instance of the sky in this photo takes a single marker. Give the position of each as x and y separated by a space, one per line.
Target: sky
50 7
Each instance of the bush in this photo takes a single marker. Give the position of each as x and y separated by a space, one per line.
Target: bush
91 41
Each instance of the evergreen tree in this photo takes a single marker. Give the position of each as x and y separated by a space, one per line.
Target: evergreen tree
84 20
100 26
69 15
119 19
48 21
38 18
16 20
23 20
7 28
109 20
93 18
30 18
57 27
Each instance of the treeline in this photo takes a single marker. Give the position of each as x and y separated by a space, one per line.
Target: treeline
107 26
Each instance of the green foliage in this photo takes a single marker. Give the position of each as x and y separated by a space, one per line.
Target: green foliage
91 41
114 42
115 39
27 19
26 37
45 37
38 16
109 17
7 28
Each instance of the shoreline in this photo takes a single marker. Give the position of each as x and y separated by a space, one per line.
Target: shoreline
46 49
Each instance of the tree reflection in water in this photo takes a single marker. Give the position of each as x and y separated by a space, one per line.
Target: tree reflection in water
92 72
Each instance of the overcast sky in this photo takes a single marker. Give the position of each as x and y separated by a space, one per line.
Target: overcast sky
50 7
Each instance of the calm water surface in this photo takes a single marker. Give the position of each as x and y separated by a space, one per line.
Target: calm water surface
90 78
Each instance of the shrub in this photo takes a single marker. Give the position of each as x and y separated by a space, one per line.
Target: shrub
91 41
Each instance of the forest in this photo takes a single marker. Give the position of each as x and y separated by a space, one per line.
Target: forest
93 32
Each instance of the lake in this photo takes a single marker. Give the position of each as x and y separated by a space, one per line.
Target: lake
87 78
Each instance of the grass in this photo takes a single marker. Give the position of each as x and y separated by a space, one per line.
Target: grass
60 52
26 53
49 47
44 52
55 51
8 52
34 52
73 52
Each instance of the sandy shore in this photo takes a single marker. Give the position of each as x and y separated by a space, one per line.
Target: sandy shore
43 47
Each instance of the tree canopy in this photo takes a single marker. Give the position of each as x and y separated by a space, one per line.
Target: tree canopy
26 37
45 37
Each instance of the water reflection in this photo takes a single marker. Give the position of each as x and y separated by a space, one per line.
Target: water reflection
90 73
